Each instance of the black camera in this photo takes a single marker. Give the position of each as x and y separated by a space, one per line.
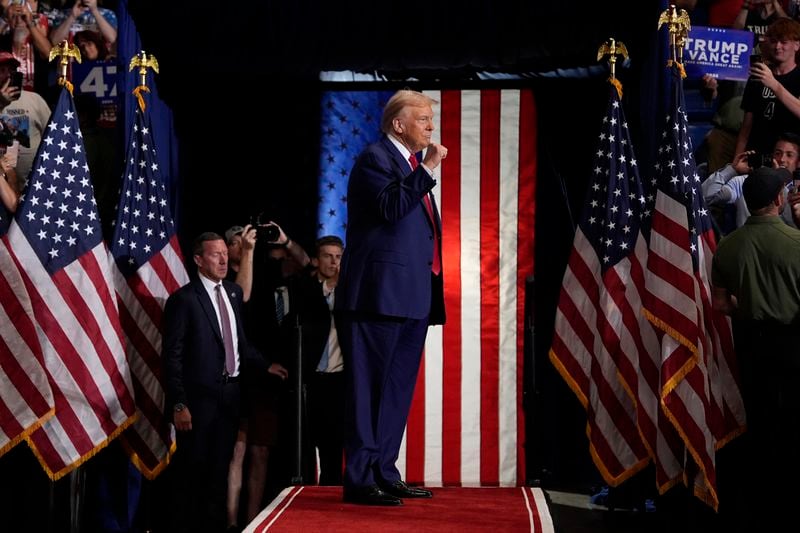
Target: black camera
759 160
265 231
6 136
268 232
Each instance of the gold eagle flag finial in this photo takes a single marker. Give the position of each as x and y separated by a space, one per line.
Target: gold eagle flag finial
64 50
678 24
143 61
613 48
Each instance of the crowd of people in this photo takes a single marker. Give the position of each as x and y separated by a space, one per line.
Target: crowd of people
29 81
753 189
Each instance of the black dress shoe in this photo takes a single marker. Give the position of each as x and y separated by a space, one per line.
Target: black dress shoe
371 495
401 490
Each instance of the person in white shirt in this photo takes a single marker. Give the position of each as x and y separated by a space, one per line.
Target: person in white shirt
724 187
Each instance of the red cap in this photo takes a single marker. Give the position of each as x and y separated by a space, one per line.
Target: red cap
8 57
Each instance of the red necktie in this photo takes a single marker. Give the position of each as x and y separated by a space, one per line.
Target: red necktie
227 333
436 267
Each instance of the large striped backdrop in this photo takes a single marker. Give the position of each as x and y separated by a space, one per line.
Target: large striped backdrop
466 425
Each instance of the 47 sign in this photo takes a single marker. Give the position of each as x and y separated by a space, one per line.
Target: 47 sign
98 78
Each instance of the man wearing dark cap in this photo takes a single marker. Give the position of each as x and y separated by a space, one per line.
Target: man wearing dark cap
756 279
24 113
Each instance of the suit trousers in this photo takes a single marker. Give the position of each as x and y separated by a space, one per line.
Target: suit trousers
381 360
325 393
201 462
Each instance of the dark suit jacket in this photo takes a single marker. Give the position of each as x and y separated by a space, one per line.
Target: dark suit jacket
386 267
316 321
193 352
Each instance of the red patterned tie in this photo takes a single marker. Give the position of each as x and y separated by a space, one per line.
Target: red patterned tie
436 267
227 333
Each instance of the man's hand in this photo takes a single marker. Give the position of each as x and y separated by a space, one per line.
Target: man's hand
248 237
761 72
434 155
8 93
740 164
278 370
794 204
182 419
282 237
709 88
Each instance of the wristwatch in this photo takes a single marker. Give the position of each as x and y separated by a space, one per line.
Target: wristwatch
178 407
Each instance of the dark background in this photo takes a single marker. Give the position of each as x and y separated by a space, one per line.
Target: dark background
243 81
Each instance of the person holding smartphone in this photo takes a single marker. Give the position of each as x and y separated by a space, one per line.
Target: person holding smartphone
724 187
23 115
771 99
25 36
84 14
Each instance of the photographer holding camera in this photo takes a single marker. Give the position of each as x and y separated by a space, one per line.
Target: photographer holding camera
724 187
263 259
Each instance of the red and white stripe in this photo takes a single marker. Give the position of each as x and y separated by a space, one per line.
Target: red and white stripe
78 322
697 347
466 425
150 441
26 399
598 346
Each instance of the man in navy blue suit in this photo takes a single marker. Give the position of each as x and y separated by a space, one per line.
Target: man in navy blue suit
205 352
390 289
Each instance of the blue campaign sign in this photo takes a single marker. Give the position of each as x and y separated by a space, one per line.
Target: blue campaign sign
722 52
99 79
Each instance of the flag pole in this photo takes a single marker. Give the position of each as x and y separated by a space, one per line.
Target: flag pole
613 48
77 478
63 51
143 62
678 24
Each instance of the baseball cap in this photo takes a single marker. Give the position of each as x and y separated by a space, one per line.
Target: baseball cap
232 232
8 57
762 186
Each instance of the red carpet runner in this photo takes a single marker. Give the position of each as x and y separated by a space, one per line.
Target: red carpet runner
451 509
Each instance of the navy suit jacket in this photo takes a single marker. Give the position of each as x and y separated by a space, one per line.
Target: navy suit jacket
193 351
386 266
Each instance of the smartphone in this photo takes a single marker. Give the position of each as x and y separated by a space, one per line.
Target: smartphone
16 80
759 160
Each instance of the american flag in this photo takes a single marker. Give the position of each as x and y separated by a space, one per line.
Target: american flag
55 240
699 376
602 345
350 121
466 425
148 255
26 400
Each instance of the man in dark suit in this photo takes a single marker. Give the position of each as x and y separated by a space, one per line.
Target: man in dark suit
323 366
390 290
205 353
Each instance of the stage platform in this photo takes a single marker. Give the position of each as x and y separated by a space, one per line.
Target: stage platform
313 508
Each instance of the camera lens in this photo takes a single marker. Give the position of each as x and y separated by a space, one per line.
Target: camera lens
272 233
268 233
755 161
